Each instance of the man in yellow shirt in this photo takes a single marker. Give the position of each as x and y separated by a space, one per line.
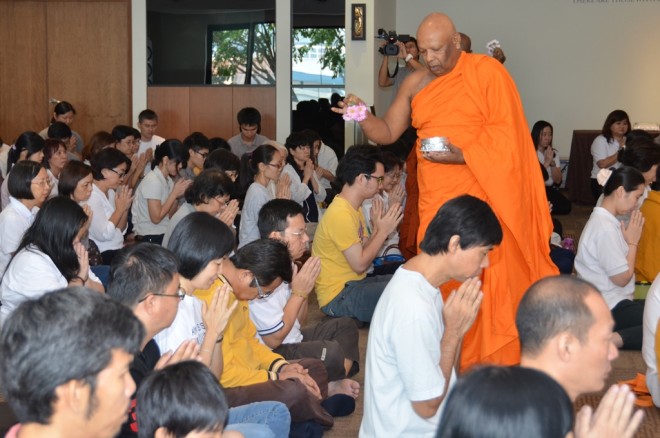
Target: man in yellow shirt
347 245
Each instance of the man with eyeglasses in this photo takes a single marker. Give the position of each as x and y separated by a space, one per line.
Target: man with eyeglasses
278 318
347 245
144 277
198 146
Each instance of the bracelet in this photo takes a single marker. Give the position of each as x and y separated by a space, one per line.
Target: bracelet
82 280
220 339
408 58
299 294
204 349
631 244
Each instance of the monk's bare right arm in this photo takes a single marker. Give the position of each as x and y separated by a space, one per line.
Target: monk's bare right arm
396 120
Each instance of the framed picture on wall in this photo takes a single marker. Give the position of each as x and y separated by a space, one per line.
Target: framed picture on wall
358 21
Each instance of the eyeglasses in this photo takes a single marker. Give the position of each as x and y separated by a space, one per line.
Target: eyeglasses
221 200
303 146
202 154
277 165
119 174
42 183
379 179
296 234
180 294
395 175
260 292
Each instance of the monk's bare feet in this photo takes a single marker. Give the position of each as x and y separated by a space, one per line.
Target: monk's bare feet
344 386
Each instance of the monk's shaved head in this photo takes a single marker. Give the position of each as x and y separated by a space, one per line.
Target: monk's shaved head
439 43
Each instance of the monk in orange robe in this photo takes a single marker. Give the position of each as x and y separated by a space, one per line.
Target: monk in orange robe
472 100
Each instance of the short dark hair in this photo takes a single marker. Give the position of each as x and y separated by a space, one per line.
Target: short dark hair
61 336
51 146
196 141
467 217
138 270
28 141
274 215
551 306
216 143
640 153
57 223
391 161
19 180
59 130
625 176
182 398
249 116
98 141
612 118
207 185
63 107
358 160
120 132
537 129
501 402
108 158
172 149
198 240
222 159
297 139
147 114
266 259
70 176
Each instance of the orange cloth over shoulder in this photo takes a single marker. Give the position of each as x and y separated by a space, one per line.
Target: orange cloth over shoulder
478 108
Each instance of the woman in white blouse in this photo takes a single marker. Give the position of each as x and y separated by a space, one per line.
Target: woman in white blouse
29 146
29 187
605 148
110 201
49 257
156 196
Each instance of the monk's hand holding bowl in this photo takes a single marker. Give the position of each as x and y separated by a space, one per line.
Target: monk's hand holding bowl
453 156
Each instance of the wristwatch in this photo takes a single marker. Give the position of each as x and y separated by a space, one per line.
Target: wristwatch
408 58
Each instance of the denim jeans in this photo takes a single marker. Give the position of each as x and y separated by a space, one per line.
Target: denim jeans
358 299
260 420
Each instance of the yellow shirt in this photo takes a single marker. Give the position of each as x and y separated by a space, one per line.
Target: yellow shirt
647 264
340 228
245 360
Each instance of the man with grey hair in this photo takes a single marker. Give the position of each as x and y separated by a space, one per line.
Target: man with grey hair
566 331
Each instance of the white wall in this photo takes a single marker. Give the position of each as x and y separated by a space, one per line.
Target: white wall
573 61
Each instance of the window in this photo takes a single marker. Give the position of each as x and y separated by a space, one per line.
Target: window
241 54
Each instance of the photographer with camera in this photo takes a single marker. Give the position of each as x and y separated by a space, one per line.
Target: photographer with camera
401 47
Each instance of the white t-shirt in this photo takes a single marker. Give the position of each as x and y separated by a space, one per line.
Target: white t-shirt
184 210
14 220
102 231
154 186
4 155
30 275
602 254
255 198
600 149
327 159
53 184
267 315
151 144
403 358
188 324
651 318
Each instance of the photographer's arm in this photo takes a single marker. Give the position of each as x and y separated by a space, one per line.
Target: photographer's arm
383 75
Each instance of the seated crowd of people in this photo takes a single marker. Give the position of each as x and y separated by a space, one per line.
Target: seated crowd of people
190 264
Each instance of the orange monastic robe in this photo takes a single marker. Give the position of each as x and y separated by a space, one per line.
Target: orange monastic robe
478 107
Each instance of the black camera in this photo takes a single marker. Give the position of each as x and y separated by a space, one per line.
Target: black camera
390 48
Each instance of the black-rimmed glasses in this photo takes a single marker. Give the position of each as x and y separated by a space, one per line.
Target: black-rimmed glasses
180 294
